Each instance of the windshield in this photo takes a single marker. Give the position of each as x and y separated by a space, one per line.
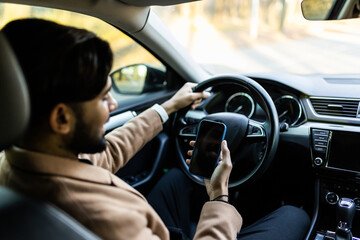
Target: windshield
260 36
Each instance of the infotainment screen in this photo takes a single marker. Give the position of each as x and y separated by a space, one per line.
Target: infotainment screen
344 151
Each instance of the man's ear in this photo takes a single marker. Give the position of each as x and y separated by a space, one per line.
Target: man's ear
61 118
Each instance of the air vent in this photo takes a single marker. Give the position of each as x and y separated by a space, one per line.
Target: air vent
336 107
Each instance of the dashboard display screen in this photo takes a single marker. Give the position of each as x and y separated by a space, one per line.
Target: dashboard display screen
344 151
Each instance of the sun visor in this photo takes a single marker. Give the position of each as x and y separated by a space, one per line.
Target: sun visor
154 2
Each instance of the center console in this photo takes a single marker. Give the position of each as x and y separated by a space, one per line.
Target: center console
336 159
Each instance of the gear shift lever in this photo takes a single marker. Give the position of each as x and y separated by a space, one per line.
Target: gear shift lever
345 213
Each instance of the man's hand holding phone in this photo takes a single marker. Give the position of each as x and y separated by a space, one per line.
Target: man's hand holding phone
218 184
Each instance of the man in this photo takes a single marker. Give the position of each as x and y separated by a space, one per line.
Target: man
66 70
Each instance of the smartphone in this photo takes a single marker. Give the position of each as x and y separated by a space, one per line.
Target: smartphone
206 152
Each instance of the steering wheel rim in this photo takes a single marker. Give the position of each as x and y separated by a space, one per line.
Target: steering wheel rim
271 125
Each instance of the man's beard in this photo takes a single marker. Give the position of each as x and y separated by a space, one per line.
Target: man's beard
82 142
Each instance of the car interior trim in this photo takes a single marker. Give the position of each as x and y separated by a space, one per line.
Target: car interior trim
170 50
162 140
142 176
154 2
130 18
316 209
119 120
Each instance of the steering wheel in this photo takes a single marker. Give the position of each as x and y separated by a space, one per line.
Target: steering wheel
252 144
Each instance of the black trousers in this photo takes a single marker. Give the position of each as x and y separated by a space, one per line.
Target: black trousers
172 199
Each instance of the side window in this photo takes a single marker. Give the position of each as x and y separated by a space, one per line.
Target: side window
134 71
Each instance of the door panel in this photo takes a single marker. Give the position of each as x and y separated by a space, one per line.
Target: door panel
146 166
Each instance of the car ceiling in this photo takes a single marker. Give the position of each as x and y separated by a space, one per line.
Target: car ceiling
154 2
130 15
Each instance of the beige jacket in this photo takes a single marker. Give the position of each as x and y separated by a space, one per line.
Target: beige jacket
98 199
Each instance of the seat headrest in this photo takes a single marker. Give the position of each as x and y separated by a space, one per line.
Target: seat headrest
14 97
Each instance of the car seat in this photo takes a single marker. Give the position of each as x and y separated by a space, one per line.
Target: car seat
20 216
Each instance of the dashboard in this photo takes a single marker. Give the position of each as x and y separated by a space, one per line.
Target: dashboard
323 113
328 124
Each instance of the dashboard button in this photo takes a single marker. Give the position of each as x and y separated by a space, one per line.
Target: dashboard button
321 137
318 161
357 203
320 143
332 198
321 132
320 149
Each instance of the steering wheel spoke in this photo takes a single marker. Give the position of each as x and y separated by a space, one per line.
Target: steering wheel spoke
194 116
256 130
190 122
188 131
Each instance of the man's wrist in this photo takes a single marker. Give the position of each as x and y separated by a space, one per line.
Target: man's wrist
161 111
223 197
220 190
168 107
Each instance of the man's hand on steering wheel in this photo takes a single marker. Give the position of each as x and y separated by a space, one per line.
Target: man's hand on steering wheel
184 97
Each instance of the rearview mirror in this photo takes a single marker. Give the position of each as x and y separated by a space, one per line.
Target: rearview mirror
330 9
138 78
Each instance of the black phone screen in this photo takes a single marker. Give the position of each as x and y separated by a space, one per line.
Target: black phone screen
207 148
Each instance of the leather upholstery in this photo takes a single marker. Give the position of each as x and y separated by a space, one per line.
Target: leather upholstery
14 98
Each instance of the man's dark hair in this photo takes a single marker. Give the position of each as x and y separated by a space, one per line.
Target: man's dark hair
60 63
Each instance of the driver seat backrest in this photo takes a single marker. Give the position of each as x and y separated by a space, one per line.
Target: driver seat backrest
20 216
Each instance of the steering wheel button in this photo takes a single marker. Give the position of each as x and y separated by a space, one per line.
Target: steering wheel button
256 130
250 129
